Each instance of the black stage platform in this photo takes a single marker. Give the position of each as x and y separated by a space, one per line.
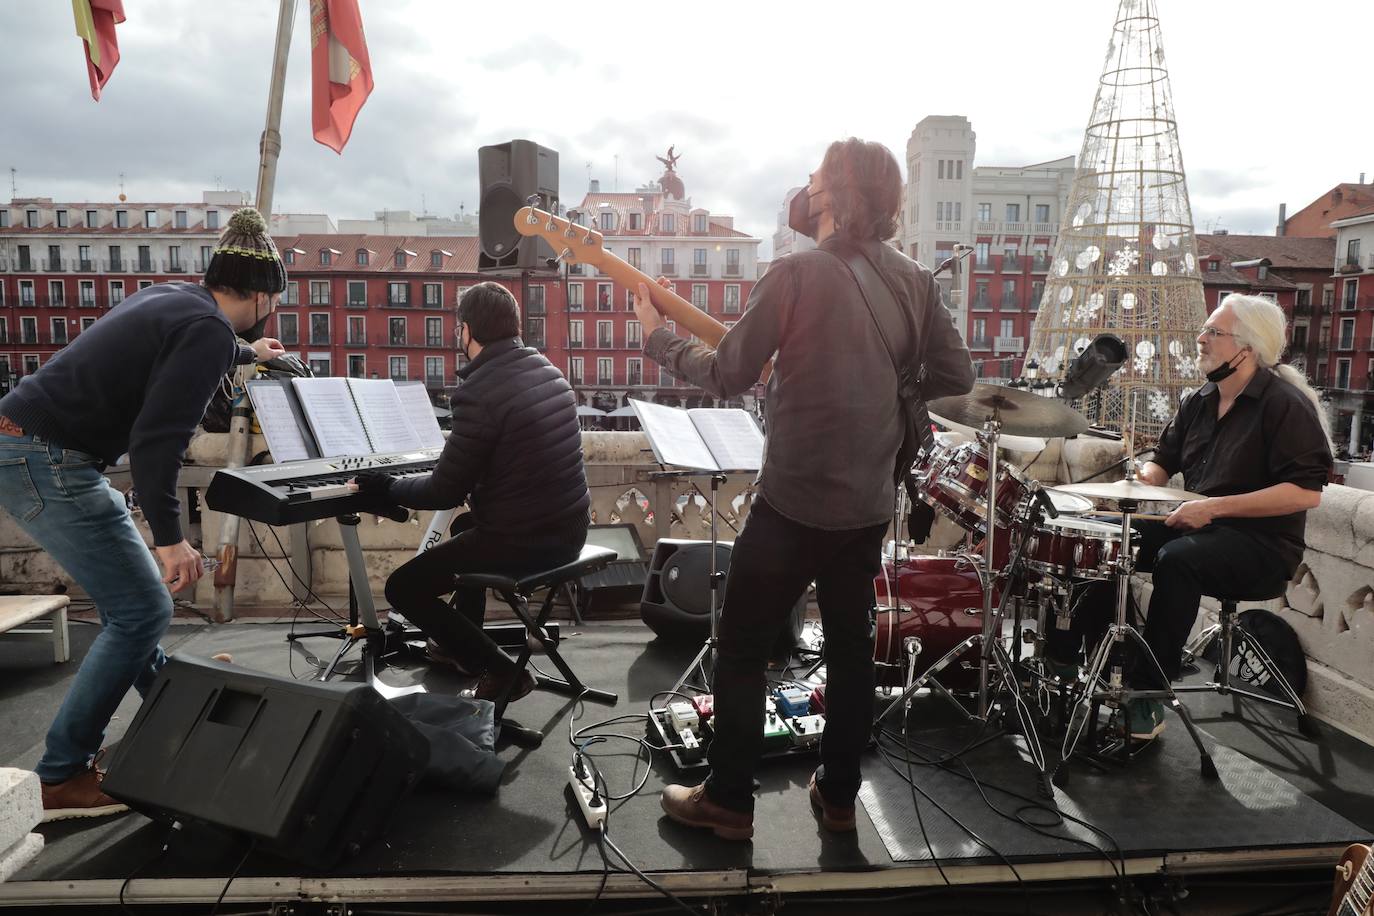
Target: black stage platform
1281 802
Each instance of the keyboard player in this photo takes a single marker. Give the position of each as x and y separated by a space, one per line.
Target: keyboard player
514 457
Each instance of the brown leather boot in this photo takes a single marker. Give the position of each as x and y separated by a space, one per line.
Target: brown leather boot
690 805
833 817
79 796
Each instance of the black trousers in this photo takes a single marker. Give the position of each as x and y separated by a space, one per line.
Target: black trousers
418 586
773 561
1217 560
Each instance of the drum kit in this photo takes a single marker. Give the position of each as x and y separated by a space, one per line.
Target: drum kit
1025 546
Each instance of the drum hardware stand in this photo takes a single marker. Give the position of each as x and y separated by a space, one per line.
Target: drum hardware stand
706 657
992 653
1112 647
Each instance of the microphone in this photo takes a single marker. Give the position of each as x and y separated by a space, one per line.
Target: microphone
1046 504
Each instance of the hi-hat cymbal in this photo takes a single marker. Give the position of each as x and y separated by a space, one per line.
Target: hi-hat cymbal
1015 443
1020 412
1130 489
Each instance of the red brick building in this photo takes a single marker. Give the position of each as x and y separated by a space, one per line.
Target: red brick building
1344 200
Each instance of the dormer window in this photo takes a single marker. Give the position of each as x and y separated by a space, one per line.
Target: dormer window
436 259
699 223
289 256
362 257
1213 265
669 223
325 256
607 221
636 221
1264 271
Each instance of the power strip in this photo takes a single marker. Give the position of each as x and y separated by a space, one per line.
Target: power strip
593 806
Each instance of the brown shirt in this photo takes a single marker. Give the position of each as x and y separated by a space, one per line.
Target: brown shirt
1270 435
834 423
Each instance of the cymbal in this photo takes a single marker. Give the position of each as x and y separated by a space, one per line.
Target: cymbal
1021 413
1015 443
1130 489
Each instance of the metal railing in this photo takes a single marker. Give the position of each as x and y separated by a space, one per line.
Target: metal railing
701 270
732 271
668 270
1011 265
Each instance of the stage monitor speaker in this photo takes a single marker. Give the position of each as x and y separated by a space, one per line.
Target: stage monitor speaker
509 174
676 603
311 770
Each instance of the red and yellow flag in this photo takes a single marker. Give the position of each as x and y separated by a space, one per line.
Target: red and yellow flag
95 25
340 68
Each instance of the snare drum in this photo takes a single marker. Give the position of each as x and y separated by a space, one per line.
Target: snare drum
963 482
1076 548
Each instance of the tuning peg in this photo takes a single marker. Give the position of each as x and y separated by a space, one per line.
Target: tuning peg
532 201
550 226
570 232
562 256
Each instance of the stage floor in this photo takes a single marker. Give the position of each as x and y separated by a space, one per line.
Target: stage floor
1282 801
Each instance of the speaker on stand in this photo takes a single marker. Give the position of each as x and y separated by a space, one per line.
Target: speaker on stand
510 174
676 603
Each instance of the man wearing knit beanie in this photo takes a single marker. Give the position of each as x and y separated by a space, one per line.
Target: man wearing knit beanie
137 382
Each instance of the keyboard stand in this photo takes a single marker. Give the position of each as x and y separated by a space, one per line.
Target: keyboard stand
363 626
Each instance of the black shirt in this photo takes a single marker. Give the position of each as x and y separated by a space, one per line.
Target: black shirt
1271 435
136 381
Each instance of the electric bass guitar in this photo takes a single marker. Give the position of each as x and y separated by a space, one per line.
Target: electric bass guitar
1354 883
580 245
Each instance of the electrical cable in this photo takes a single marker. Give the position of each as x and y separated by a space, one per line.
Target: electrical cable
232 875
166 843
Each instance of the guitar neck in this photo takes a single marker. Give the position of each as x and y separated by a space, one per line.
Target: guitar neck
1354 882
669 303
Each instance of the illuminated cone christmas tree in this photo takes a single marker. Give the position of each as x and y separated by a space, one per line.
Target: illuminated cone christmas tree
1126 262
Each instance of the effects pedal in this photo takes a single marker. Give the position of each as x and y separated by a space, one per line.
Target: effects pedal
792 701
705 706
691 747
682 715
806 730
588 799
775 730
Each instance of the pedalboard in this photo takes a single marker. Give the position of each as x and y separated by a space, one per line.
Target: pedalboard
793 723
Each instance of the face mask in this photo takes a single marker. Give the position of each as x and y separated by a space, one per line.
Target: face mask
1226 369
254 333
799 215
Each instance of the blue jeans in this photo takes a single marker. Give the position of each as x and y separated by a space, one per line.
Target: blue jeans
63 502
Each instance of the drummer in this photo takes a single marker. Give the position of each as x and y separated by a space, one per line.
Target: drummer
1253 440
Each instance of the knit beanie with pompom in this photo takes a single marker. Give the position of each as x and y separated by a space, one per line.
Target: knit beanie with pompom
246 259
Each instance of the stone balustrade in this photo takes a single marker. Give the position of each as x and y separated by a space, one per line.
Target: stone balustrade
1330 602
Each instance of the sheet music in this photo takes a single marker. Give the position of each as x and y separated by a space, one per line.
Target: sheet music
332 415
415 401
732 436
272 407
672 436
383 416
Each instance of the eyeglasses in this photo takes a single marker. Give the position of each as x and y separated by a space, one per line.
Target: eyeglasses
1214 333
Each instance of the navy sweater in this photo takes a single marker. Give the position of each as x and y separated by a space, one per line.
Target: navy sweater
136 381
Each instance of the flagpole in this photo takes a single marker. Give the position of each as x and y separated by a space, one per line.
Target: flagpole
236 448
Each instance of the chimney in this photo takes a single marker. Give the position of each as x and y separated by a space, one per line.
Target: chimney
1362 178
1283 220
595 187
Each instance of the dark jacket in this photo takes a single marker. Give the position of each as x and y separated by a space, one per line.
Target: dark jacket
834 422
136 381
515 452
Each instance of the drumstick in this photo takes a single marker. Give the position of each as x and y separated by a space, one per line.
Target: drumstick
1139 515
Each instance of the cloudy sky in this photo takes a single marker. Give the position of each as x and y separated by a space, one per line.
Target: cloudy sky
1268 97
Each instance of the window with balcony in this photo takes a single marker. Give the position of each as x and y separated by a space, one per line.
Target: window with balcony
634 372
357 330
699 295
604 372
30 363
1013 213
981 298
57 293
535 305
4 339
605 335
732 298
603 297
1352 291
1299 337
434 372
632 256
1347 338
357 365
575 297
629 300
292 294
633 330
357 294
667 262
982 255
54 257
86 293
434 332
116 292
174 258
288 328
1352 253
28 330
319 328
575 370
1328 295
985 212
1342 373
534 332
732 268
397 331
86 324
59 330
1011 259
434 295
26 292
1009 300
699 265
980 334
206 253
116 262
25 258
398 293
1042 213
145 258
1037 293
211 219
575 334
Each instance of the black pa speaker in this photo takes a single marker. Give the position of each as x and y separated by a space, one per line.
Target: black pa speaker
511 173
310 770
676 603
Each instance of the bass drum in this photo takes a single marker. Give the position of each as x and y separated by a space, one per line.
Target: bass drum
941 604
